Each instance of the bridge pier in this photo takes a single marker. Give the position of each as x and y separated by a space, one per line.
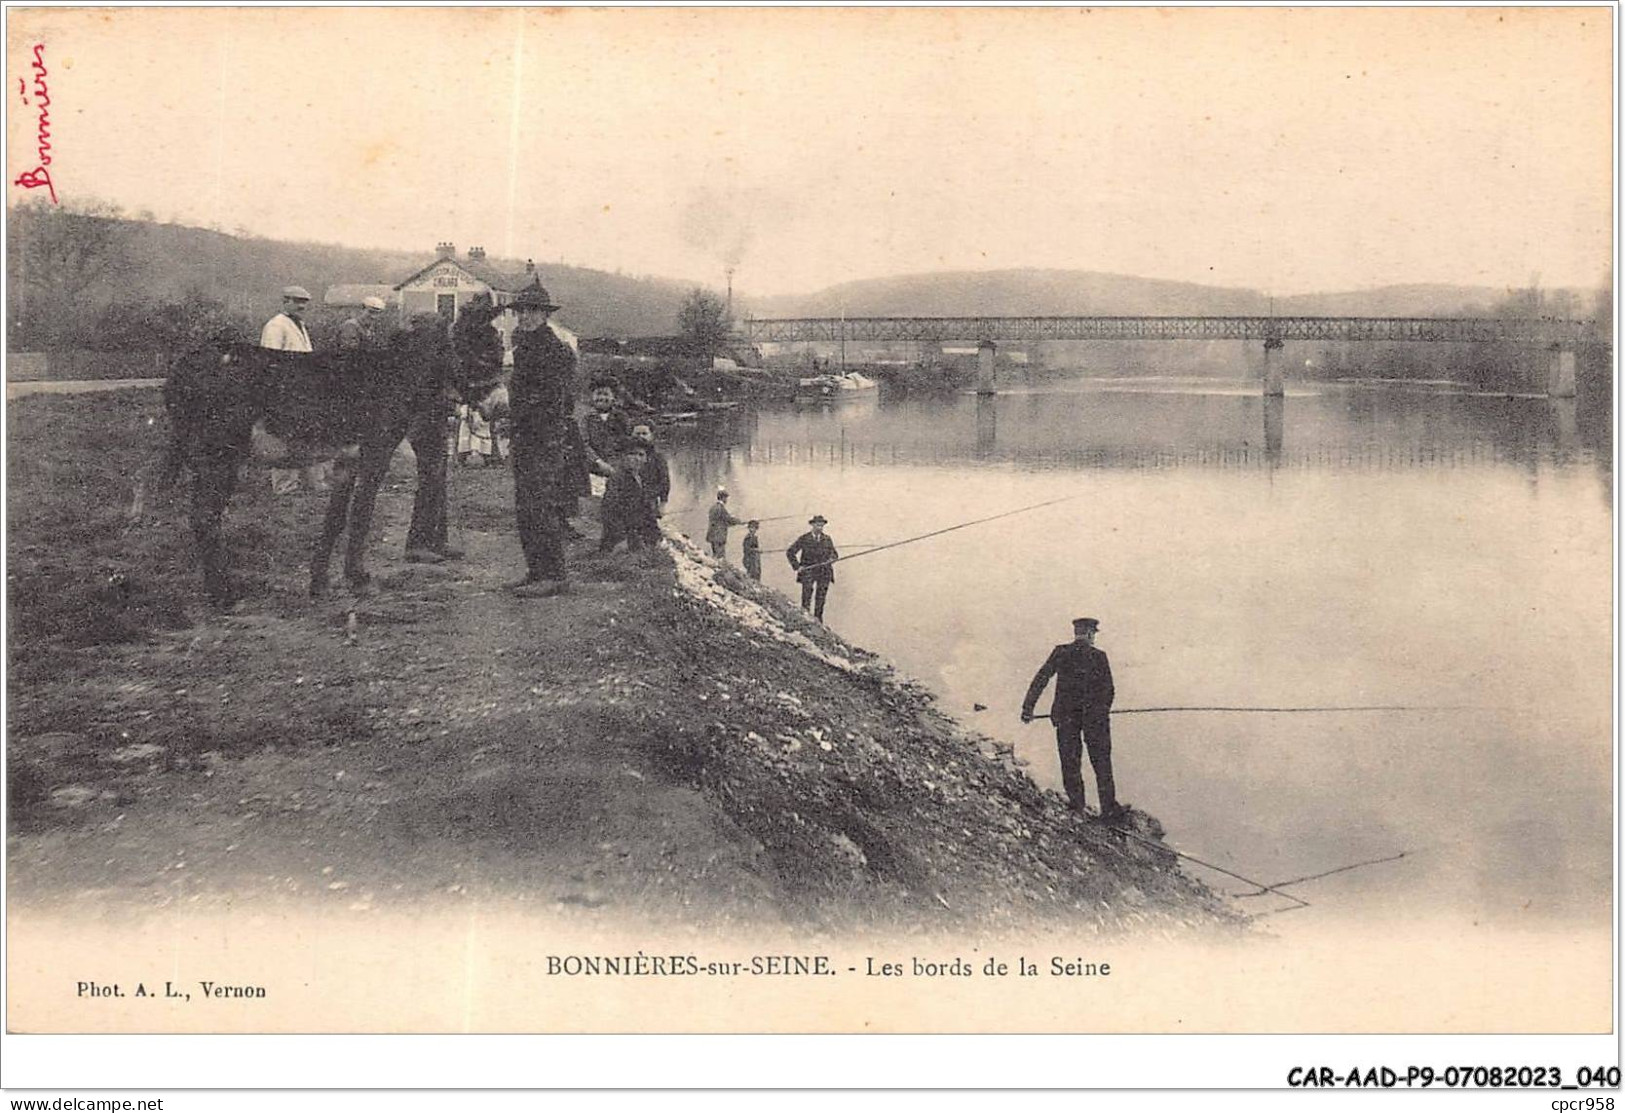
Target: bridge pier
1560 373
985 352
1274 384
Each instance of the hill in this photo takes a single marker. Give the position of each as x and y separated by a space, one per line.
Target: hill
1079 293
157 263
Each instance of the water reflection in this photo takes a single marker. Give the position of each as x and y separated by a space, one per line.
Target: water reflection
1438 550
987 425
1274 428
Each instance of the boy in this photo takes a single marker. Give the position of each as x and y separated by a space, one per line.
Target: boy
753 550
656 473
627 512
606 429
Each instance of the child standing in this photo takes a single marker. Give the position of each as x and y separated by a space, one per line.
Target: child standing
753 550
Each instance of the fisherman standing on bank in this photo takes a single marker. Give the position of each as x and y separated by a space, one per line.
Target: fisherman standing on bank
716 526
813 556
549 459
1082 707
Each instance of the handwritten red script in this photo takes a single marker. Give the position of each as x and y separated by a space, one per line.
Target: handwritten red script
39 177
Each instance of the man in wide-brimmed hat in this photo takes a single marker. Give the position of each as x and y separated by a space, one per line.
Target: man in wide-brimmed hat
1081 714
813 556
549 458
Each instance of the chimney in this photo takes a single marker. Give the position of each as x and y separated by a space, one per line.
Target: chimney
530 266
445 250
476 254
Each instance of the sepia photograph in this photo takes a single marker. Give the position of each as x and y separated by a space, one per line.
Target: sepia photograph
846 521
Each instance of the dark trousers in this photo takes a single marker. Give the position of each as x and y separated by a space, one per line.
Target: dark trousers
1072 733
753 566
812 596
540 518
616 531
427 436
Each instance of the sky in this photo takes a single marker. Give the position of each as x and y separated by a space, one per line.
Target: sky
1284 150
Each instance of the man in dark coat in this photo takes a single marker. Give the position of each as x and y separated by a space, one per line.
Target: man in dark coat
717 521
1083 704
813 556
549 458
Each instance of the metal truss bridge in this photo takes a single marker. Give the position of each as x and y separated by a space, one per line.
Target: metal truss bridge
1272 330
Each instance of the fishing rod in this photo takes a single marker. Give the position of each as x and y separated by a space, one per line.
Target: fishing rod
945 529
1262 888
1327 873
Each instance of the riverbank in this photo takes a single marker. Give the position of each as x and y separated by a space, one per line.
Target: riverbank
669 740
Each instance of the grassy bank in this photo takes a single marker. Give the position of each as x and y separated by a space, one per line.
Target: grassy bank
668 740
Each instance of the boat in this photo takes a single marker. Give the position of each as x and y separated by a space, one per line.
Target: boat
835 388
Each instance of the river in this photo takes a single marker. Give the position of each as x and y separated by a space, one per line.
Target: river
1354 544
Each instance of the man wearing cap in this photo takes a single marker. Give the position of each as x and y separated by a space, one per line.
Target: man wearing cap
716 529
549 458
1082 707
813 557
286 332
363 332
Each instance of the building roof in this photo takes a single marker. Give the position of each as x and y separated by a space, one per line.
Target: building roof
478 269
353 293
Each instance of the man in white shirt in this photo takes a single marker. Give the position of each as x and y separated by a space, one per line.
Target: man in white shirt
286 333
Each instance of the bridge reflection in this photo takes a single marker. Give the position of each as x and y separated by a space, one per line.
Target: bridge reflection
1355 429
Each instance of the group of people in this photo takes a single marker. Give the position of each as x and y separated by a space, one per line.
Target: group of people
556 462
812 556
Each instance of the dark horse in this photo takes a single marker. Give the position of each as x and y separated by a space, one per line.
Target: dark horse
228 400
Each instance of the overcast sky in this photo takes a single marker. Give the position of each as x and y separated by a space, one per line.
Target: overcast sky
1287 151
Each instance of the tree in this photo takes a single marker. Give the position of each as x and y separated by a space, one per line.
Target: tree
703 321
57 253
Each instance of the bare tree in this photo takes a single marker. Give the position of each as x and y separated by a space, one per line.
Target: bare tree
703 321
57 253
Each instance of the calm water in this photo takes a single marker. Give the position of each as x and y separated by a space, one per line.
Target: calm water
1352 545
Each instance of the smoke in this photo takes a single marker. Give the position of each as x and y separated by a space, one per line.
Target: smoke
721 223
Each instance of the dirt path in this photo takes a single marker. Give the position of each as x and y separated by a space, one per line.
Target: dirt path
468 744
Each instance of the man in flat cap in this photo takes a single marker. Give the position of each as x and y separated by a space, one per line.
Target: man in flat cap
286 332
1082 707
364 332
549 458
813 556
717 522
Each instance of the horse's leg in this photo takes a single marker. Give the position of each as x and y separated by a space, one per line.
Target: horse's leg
212 481
338 510
374 464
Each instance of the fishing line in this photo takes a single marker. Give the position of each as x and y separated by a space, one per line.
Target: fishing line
945 529
1328 873
1262 888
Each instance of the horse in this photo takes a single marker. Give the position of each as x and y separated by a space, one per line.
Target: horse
230 401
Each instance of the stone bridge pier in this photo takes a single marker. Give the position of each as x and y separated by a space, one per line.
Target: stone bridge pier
1560 372
985 376
1274 384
